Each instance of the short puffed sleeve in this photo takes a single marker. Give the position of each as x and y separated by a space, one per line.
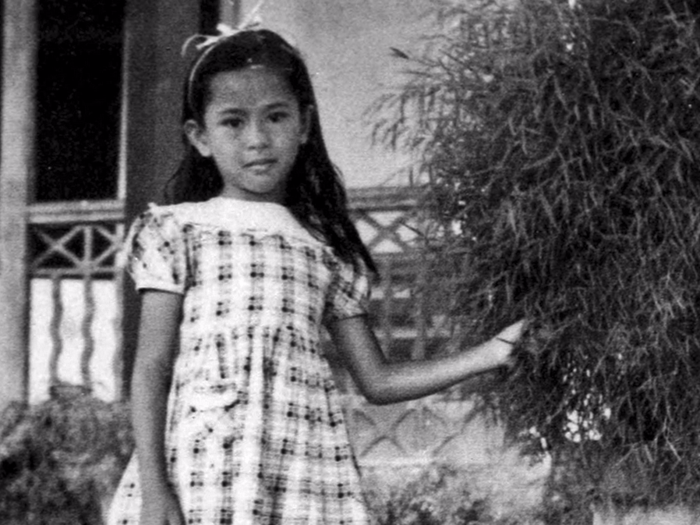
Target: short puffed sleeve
349 292
155 252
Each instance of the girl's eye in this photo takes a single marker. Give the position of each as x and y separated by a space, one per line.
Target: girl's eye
278 116
234 123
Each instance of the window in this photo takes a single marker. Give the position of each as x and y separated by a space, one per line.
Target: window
79 86
76 219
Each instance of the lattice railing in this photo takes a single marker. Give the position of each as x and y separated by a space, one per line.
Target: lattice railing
76 310
76 286
392 224
75 317
410 325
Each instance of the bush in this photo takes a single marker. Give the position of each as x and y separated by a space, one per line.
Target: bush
561 148
60 460
437 496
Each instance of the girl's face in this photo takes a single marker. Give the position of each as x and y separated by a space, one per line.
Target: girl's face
253 128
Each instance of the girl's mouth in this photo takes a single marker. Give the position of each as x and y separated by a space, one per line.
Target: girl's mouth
260 164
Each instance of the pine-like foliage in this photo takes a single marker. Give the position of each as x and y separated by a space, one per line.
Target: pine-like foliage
562 148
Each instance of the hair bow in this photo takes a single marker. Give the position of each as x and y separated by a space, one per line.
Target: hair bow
252 21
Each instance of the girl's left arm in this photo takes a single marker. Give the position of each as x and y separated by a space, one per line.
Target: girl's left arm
382 382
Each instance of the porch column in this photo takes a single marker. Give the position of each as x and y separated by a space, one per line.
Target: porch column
16 164
156 31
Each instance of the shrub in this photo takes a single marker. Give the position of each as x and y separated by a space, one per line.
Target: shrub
61 459
439 495
561 147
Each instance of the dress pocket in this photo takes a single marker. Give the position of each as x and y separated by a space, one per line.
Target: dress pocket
209 425
207 409
203 397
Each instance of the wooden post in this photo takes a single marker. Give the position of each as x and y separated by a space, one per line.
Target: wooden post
230 12
156 31
16 165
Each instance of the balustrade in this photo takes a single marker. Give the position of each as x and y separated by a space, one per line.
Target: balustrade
76 308
75 299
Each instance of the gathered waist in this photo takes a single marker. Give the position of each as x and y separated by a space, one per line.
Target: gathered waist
230 352
283 331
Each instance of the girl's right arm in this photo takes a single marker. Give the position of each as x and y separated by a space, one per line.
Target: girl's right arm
150 384
382 381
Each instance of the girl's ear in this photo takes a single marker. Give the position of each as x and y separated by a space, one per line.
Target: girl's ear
197 136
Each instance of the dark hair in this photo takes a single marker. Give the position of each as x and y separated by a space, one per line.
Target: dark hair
315 193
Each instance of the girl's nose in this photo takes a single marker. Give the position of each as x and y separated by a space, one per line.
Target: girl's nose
257 135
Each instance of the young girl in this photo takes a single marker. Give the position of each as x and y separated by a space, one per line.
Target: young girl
236 417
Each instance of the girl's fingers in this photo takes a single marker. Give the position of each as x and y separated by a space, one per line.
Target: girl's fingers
514 332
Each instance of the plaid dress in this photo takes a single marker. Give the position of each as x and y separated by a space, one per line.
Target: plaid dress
255 432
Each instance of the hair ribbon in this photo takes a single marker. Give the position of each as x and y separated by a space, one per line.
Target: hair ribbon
205 42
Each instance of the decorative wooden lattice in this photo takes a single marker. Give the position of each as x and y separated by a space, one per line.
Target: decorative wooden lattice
76 314
391 224
76 305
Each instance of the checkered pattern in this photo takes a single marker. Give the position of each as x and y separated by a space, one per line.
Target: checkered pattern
255 431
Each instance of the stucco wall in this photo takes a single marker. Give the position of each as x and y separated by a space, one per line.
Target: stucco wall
347 46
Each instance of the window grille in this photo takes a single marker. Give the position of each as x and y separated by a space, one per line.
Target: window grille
75 286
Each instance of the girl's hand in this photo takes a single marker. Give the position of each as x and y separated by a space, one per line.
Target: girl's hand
514 332
161 509
506 340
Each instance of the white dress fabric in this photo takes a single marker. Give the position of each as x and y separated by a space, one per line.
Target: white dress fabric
255 430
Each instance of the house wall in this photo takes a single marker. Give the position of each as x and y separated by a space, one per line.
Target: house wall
347 46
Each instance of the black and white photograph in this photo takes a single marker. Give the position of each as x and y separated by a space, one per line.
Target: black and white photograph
366 262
